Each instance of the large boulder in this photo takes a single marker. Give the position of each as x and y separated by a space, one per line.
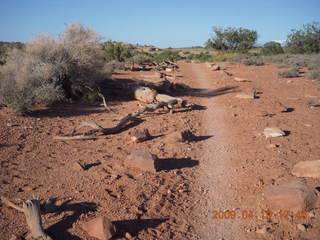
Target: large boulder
100 227
293 196
142 160
307 169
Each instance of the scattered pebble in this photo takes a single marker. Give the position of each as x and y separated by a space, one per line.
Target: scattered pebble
302 227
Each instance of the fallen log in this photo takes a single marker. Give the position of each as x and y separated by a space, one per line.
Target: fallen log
122 123
31 210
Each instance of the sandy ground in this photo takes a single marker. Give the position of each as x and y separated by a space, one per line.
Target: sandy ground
225 167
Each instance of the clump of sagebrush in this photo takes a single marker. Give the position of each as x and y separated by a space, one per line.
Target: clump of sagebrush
248 60
289 73
51 69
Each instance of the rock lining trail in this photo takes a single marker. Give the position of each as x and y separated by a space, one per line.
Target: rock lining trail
215 173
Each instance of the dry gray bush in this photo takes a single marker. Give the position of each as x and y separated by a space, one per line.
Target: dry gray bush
289 73
51 69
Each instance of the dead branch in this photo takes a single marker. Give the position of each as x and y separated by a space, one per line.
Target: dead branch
102 97
31 210
122 123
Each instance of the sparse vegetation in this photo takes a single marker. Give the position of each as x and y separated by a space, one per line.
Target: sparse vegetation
168 55
201 57
49 70
271 48
290 73
248 60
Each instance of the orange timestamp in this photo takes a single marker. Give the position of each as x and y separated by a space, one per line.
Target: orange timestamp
264 214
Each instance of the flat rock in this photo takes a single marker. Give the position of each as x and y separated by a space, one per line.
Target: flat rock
100 227
241 79
307 169
279 107
273 132
301 227
293 196
143 160
245 96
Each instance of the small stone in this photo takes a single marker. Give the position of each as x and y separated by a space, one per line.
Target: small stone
100 227
262 230
273 132
272 145
307 125
174 137
302 227
77 166
293 196
140 135
307 169
240 79
279 107
143 160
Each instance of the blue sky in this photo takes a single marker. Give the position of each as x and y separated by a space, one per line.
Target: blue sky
165 23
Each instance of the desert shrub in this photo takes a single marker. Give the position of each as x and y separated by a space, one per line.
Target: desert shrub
314 74
248 60
115 51
168 55
314 62
232 39
5 47
294 60
48 69
201 57
289 73
271 48
305 40
223 56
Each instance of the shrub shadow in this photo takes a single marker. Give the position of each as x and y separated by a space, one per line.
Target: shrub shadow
66 110
134 226
168 164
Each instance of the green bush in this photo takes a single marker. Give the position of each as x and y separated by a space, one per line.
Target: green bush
48 69
305 40
168 55
271 48
115 51
232 39
289 73
201 57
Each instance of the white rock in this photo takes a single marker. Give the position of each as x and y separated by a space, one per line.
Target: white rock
273 132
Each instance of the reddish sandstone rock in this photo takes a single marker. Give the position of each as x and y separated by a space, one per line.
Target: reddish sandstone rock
141 159
293 196
307 169
100 227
